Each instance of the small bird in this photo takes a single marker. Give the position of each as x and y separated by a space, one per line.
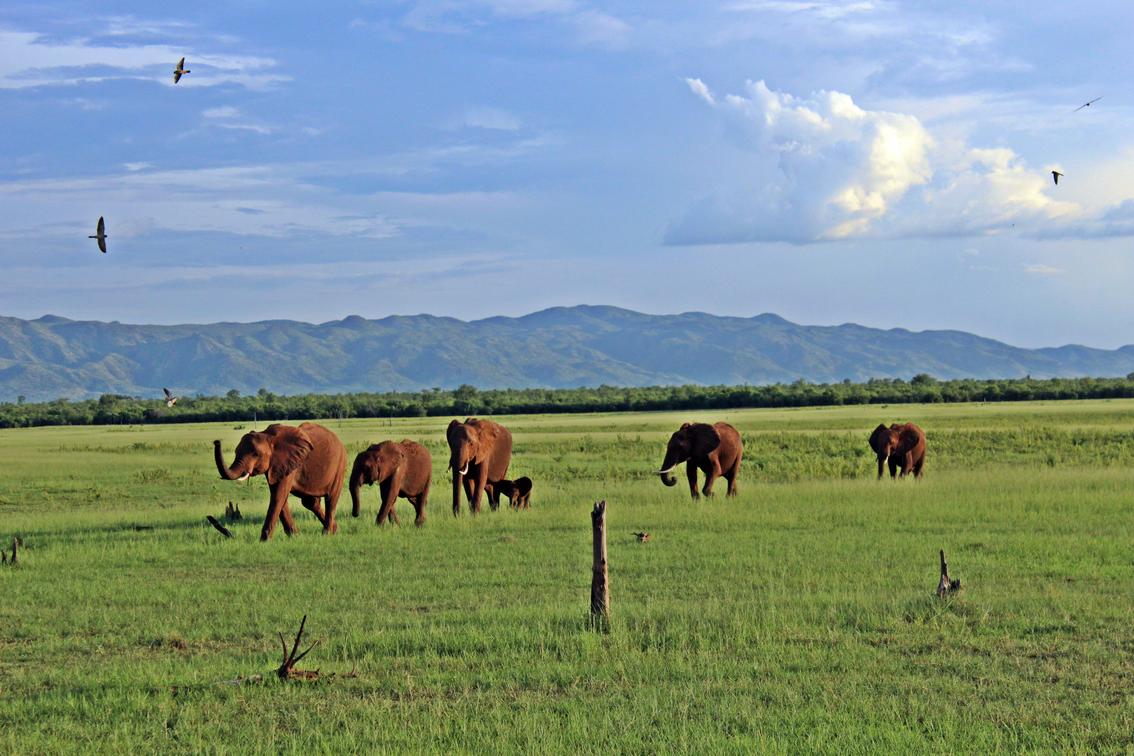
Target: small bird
100 235
1086 104
642 537
180 71
1055 175
170 399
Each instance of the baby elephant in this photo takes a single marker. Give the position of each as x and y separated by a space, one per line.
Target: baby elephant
400 468
518 491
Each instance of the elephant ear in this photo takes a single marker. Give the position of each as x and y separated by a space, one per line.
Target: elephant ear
878 437
290 447
684 426
453 425
704 438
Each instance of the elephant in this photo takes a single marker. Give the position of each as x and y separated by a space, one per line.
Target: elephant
479 454
308 461
714 449
901 445
400 469
518 491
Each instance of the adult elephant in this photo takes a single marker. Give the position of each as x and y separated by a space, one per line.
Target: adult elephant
479 454
308 461
401 469
900 445
714 449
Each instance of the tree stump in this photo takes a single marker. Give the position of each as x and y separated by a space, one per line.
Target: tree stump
600 581
947 586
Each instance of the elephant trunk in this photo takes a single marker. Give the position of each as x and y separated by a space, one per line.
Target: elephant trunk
671 462
458 479
228 473
355 492
881 464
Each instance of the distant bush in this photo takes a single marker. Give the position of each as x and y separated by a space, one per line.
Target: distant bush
113 409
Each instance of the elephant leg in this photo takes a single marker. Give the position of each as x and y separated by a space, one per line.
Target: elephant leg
917 467
493 496
330 527
276 504
383 502
731 477
478 488
691 475
712 472
419 503
469 486
312 503
881 466
893 463
287 520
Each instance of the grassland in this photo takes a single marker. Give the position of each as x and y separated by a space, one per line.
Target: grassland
797 617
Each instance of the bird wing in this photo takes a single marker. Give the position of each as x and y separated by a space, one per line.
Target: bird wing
167 393
102 244
176 76
181 63
100 229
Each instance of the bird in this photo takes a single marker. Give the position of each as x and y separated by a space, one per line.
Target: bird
643 536
100 235
1086 104
180 71
170 399
1055 175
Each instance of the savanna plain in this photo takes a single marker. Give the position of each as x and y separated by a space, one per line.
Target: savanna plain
797 616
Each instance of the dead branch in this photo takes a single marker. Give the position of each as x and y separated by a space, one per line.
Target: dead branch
287 670
216 524
947 586
232 513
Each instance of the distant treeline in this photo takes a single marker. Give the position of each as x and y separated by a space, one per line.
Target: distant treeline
112 409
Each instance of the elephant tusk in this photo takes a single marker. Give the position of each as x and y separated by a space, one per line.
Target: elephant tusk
667 472
245 476
464 471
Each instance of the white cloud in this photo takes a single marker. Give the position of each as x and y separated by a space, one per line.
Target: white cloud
487 118
698 87
229 117
825 10
132 167
829 169
30 60
591 26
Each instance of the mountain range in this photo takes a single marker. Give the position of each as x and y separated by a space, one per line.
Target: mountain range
53 357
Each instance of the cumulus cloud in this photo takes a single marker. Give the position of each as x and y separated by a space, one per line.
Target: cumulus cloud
830 169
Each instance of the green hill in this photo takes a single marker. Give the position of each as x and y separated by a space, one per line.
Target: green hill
53 357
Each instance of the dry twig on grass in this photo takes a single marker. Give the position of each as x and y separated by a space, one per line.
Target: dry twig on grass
287 670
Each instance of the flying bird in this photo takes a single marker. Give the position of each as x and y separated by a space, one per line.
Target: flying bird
1055 175
180 71
1086 104
100 235
170 399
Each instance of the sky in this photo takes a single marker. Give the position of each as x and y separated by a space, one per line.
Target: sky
870 161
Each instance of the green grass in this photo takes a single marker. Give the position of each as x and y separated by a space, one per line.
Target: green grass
797 617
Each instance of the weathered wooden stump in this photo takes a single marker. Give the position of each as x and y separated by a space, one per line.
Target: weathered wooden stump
600 581
947 586
216 524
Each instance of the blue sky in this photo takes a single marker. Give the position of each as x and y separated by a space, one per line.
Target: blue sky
885 163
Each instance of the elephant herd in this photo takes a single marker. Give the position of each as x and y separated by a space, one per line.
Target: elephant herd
309 461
